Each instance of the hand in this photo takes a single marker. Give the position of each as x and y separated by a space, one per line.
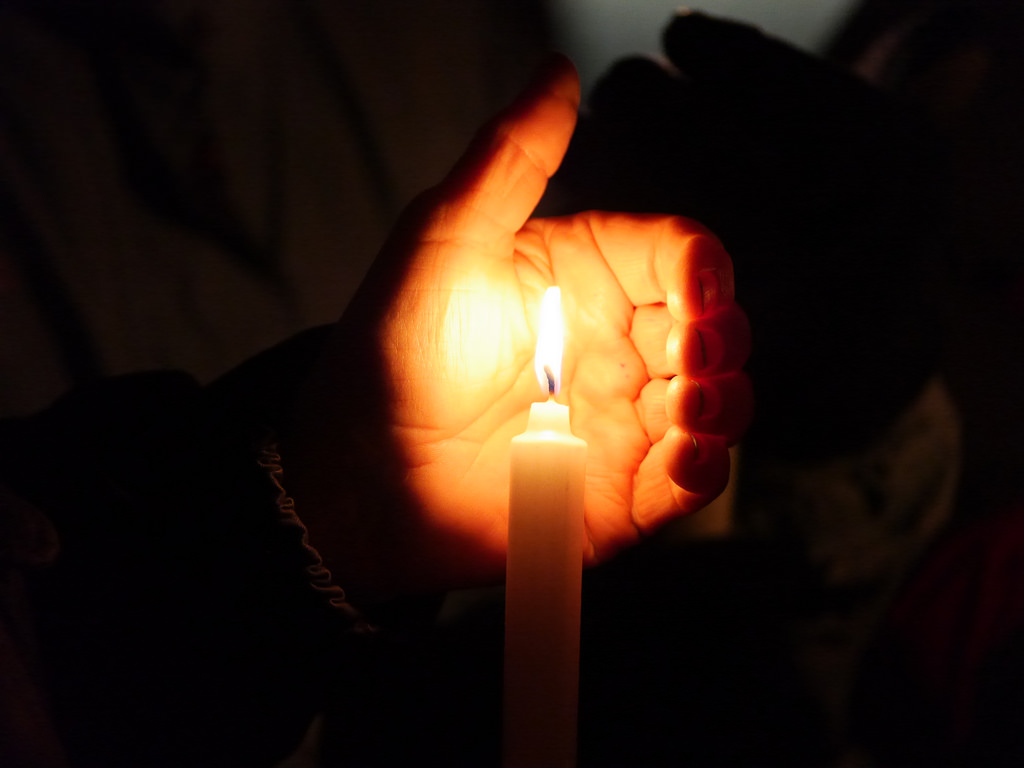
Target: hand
827 193
399 457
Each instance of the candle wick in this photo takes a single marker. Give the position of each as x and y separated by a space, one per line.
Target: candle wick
550 376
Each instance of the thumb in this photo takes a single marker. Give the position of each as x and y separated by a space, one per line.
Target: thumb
498 182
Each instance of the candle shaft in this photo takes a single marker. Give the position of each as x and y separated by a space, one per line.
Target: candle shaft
542 593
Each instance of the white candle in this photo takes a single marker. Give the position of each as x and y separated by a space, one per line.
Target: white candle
544 571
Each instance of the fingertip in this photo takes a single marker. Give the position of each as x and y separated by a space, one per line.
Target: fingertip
694 41
564 77
719 405
556 76
658 497
705 278
740 60
697 463
542 118
688 502
714 344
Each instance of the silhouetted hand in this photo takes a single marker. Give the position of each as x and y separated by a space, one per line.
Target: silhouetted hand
399 457
827 193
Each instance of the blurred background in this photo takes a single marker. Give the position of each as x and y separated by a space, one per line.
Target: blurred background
183 184
186 183
597 32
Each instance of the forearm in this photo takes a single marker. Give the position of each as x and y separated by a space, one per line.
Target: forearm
184 599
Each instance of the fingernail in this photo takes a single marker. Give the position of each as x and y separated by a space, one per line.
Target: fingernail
696 448
710 279
702 351
701 464
695 358
691 402
709 290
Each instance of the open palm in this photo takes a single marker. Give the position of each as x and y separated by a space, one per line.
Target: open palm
402 443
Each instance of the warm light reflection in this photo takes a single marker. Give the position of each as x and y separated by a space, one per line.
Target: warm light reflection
550 339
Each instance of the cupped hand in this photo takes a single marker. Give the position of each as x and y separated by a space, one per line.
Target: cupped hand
399 455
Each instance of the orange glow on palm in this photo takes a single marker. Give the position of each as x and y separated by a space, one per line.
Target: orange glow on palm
447 308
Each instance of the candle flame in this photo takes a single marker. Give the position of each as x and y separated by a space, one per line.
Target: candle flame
547 361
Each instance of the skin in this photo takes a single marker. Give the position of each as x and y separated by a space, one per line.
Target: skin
398 453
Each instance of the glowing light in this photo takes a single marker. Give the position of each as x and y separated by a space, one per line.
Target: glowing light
543 571
547 361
